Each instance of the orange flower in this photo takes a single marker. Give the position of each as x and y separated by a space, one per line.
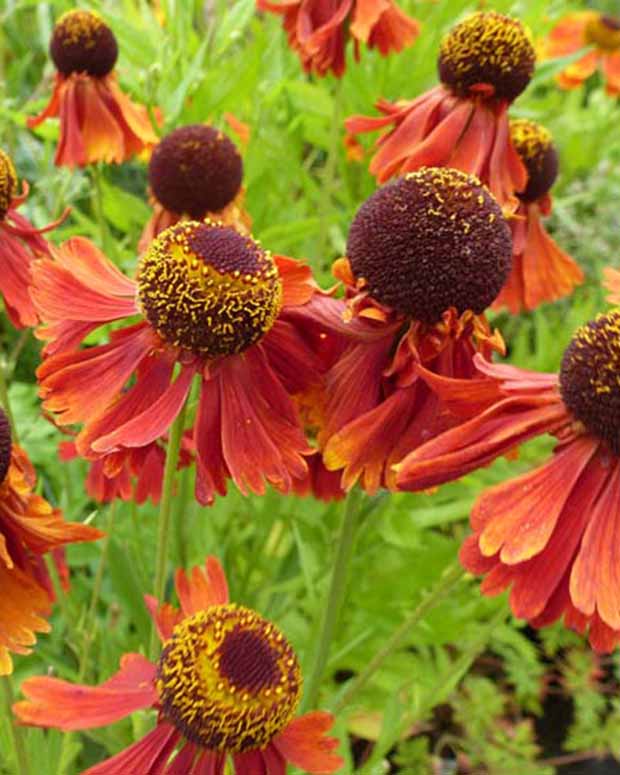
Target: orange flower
195 173
129 474
317 29
29 528
213 304
550 533
97 121
541 270
425 256
485 62
612 283
597 31
227 683
20 243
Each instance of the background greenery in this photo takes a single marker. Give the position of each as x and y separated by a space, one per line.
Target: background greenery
470 682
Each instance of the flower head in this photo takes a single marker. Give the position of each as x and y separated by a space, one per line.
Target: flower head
549 532
489 54
541 270
98 122
208 289
210 301
484 64
429 241
83 43
598 32
195 169
318 30
535 146
29 529
227 683
20 244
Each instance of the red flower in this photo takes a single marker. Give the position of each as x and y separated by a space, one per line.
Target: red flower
213 304
195 173
549 533
541 270
29 528
414 297
97 121
20 244
597 31
129 474
485 62
227 683
612 283
317 29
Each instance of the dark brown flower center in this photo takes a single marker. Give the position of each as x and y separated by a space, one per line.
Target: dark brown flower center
534 145
8 183
604 32
5 446
590 377
195 169
487 50
206 288
228 679
82 43
429 241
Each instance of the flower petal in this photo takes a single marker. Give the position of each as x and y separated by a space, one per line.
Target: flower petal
148 756
205 588
62 705
304 745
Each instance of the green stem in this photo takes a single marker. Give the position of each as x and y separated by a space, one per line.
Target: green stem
16 732
182 518
450 579
329 174
335 596
165 510
97 177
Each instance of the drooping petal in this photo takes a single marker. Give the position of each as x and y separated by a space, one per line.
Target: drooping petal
59 704
15 280
303 743
148 756
165 616
382 24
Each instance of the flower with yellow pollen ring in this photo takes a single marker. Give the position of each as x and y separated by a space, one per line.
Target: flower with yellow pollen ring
541 270
227 683
98 122
549 533
20 244
484 63
195 173
212 304
600 33
426 254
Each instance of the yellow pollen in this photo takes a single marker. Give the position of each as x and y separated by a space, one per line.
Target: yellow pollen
206 288
603 32
531 140
228 679
8 183
79 27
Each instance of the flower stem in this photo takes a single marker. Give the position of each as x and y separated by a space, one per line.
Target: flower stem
165 510
335 596
449 580
16 732
97 177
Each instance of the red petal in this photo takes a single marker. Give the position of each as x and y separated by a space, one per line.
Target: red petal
303 744
165 616
15 280
66 706
249 763
205 588
148 756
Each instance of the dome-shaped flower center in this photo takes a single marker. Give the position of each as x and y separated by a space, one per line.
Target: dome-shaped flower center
604 32
8 183
82 43
195 170
534 145
206 288
487 50
429 241
228 679
589 377
5 445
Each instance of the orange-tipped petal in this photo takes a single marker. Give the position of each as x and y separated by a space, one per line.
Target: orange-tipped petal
303 743
203 589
